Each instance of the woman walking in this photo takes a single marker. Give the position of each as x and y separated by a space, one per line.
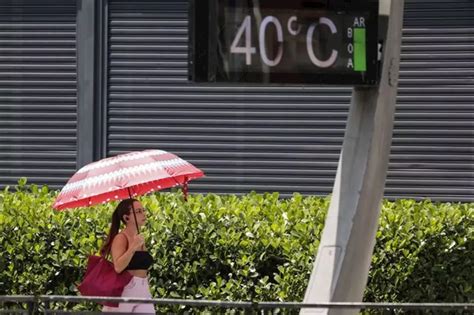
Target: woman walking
129 254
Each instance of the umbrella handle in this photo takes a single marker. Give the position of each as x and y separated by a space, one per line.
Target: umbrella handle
133 210
185 189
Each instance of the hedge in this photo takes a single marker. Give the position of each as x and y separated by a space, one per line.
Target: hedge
254 247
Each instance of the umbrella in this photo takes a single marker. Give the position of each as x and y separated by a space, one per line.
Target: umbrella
125 176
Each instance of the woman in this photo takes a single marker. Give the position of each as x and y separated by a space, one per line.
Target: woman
130 255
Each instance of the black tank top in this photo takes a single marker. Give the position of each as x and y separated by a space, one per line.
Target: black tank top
140 260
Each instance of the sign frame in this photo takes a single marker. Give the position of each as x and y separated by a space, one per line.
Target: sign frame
203 40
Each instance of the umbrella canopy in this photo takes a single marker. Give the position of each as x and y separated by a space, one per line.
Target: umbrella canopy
124 176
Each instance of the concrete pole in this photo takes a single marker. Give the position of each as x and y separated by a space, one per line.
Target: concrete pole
345 251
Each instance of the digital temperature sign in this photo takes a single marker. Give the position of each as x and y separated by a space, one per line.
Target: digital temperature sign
284 41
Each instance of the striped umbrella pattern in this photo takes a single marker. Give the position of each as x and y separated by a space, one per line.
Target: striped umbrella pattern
124 176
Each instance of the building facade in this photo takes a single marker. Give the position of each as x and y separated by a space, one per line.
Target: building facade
85 79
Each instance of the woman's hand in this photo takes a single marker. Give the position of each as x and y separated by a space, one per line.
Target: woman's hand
137 242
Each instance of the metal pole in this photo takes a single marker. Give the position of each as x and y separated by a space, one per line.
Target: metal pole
31 307
133 210
47 306
342 264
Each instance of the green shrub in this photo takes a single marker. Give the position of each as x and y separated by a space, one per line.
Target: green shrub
255 247
424 252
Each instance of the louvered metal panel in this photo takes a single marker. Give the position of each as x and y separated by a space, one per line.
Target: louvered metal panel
288 139
37 91
432 152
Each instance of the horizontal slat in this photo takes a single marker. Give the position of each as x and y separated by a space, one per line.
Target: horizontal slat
27 155
142 40
150 31
148 48
290 156
233 186
17 166
146 55
440 56
413 31
36 18
37 58
437 39
58 123
29 172
54 182
37 83
29 98
239 130
37 50
437 178
43 66
272 149
35 132
33 35
36 42
38 75
151 22
43 147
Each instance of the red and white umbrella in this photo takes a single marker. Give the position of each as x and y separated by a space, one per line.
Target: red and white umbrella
124 176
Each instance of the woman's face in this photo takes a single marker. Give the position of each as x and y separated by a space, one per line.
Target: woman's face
140 213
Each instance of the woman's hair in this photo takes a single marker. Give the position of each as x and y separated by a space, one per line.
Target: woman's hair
122 209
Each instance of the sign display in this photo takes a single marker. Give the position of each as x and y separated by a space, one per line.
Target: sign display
284 41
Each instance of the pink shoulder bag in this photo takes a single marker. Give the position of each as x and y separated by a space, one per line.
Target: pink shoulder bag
101 279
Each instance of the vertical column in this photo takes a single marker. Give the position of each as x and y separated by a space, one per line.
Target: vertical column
345 251
86 39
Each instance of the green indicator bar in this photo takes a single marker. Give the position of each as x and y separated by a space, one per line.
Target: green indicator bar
359 50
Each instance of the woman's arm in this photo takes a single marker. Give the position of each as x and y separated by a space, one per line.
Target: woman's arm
121 252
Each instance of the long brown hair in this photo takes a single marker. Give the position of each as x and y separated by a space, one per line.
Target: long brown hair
122 209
